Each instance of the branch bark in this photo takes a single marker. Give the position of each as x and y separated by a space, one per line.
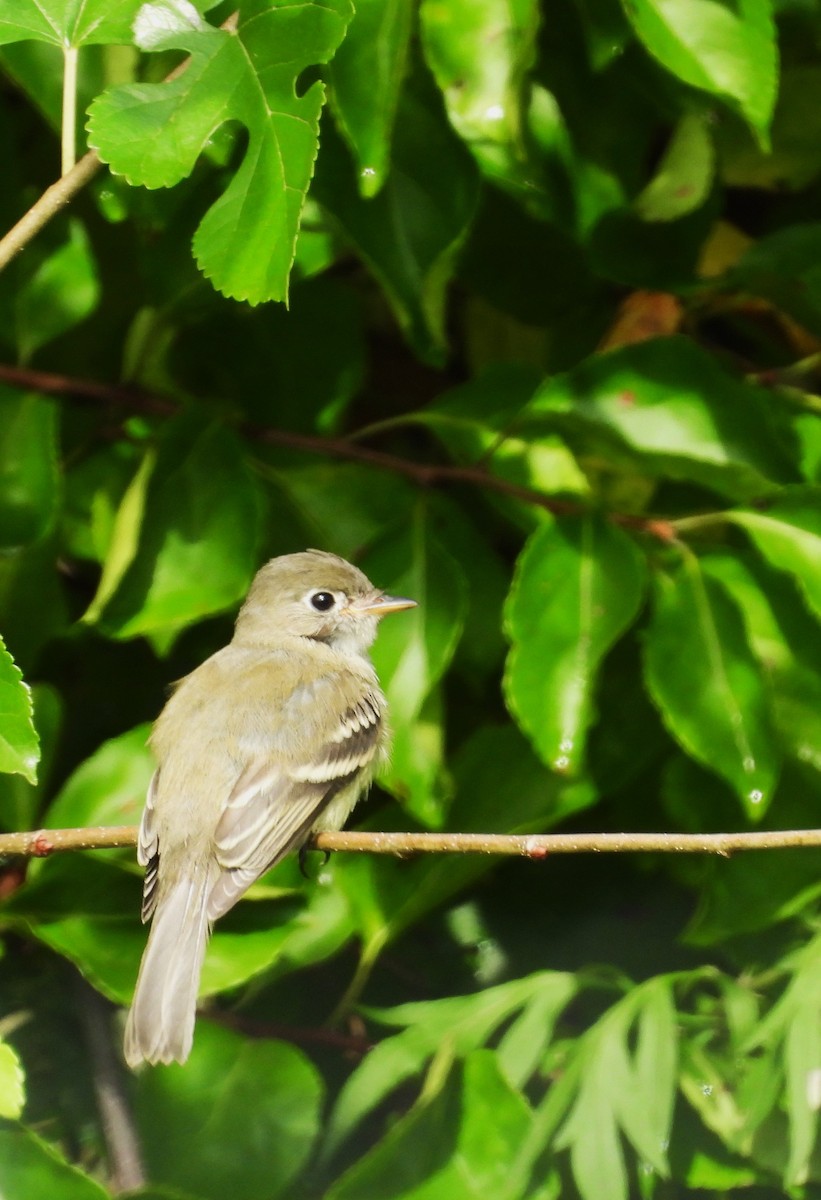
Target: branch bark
41 843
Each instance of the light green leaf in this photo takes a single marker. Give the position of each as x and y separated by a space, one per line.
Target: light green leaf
30 1166
12 1084
726 49
666 407
455 1143
788 534
707 685
269 1097
684 176
185 540
366 75
245 243
60 294
19 744
68 22
21 801
481 54
28 467
467 1022
578 586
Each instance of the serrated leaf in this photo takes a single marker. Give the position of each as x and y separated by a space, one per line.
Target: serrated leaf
68 22
366 75
19 744
666 406
579 584
28 467
788 534
245 244
726 49
707 685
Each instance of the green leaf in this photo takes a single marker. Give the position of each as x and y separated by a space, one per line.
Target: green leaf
30 1166
578 586
67 22
185 539
707 685
684 176
727 50
788 534
109 788
410 233
481 55
269 1096
21 801
466 1022
413 650
245 243
366 76
12 1084
28 467
19 744
784 268
669 407
454 1145
60 294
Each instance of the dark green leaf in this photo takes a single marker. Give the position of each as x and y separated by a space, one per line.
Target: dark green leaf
578 586
245 243
61 293
28 467
246 1112
707 685
410 233
185 537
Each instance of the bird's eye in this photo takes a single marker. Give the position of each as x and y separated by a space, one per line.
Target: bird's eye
323 601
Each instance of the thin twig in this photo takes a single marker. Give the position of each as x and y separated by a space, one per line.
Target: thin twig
52 201
116 1118
43 842
345 448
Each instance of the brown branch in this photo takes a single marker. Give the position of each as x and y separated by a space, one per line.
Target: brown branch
423 474
44 842
52 201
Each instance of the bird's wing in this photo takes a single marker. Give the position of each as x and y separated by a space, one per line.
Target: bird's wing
148 851
273 805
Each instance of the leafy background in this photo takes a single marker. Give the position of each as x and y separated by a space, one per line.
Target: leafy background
519 306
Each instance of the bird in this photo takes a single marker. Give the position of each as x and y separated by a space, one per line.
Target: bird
272 738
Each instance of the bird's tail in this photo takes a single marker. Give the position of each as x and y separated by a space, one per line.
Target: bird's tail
160 1026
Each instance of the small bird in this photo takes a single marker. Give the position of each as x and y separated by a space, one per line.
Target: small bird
273 737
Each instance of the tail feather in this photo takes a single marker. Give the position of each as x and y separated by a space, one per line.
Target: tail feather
160 1026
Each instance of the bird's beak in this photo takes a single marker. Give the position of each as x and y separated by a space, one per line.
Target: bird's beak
377 604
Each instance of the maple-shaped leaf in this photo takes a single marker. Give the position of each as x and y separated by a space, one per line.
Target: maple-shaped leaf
153 133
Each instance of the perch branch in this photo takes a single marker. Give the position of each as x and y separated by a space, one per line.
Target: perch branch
43 842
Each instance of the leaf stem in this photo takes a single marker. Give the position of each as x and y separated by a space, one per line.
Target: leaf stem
69 117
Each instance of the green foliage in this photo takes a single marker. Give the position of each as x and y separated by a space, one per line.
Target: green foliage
548 365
